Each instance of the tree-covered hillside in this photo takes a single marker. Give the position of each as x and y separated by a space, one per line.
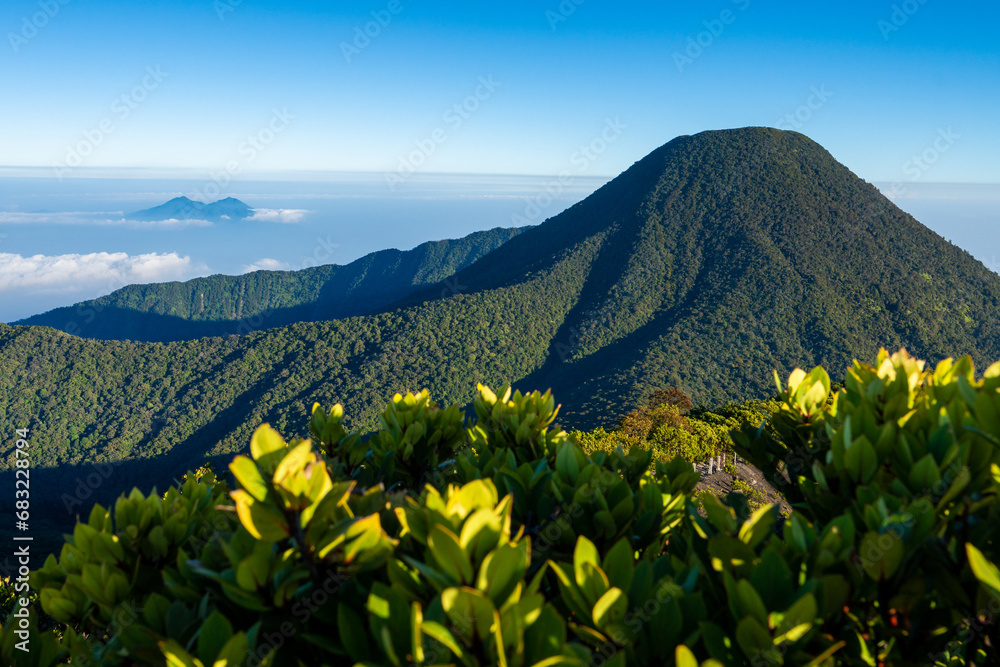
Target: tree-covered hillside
710 263
222 305
154 409
735 253
501 540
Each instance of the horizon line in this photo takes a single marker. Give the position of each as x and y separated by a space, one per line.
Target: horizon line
199 173
324 175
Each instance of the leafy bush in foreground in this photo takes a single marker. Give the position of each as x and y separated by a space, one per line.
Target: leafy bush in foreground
506 544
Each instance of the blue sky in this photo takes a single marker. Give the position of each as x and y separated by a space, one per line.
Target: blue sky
349 113
561 71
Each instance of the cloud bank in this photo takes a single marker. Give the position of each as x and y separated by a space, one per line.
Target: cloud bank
279 215
104 271
87 218
267 264
284 215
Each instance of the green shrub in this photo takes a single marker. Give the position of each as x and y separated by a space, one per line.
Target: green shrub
903 463
700 443
8 598
755 497
600 440
415 439
669 428
504 543
643 422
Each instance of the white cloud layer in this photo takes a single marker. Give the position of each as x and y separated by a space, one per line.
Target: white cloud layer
279 215
99 218
285 215
104 271
172 222
267 264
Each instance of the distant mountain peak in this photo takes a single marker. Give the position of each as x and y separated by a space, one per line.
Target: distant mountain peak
184 208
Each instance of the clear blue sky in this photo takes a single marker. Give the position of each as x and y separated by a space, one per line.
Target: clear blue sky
230 63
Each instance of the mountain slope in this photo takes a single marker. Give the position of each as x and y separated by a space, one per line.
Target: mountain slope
224 305
708 264
756 250
738 252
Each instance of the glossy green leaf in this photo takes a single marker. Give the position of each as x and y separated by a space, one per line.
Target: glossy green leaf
215 632
449 554
610 608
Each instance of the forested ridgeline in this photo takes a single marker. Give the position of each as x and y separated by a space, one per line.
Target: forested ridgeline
87 401
222 305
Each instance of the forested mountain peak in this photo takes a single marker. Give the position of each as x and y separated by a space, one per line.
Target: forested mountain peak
741 251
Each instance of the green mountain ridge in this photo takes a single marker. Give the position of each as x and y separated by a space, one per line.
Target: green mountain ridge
715 260
222 305
735 253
